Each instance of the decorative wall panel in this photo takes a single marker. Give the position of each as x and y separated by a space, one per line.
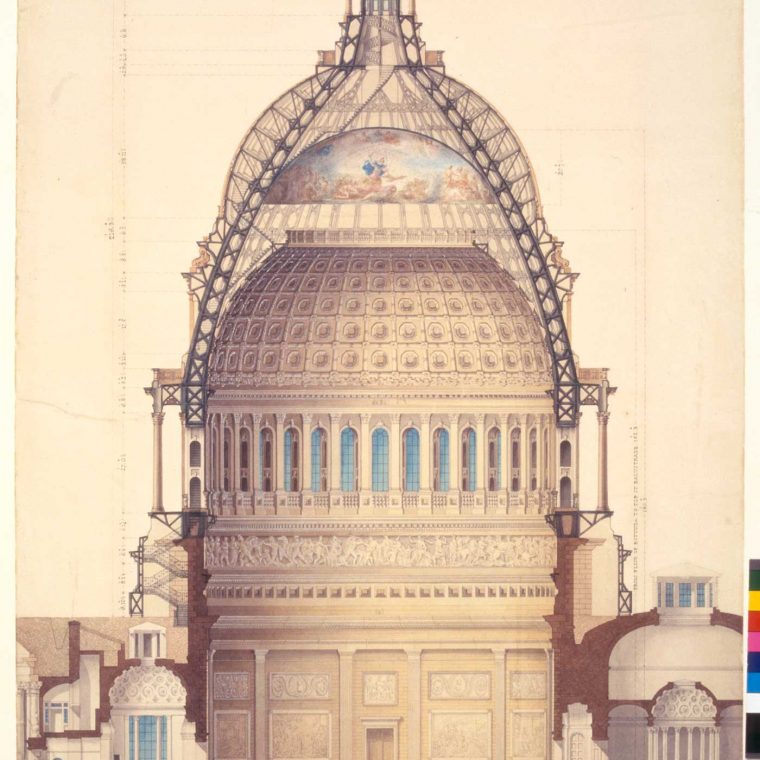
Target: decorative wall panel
528 685
299 735
463 735
460 685
232 735
232 686
380 688
529 735
299 686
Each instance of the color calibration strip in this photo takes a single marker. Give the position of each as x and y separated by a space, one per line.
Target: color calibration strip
753 662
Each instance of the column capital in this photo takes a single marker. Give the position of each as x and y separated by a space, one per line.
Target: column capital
365 418
260 654
335 416
344 652
453 419
257 418
237 418
280 417
603 417
307 418
413 653
158 417
499 653
395 418
480 418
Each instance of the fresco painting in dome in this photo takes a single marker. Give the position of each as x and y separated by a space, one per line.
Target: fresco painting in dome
380 166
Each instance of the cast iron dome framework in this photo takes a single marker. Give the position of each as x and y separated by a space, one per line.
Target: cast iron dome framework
283 132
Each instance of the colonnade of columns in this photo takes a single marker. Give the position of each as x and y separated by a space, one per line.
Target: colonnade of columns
689 742
526 462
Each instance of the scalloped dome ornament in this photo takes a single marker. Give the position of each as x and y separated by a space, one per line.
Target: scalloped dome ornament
684 703
148 686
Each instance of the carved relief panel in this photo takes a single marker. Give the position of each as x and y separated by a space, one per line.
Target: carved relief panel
231 735
460 685
231 686
462 735
292 686
527 685
528 735
299 735
380 688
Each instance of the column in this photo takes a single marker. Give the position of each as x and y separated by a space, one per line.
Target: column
255 446
677 745
365 454
158 487
335 452
715 748
603 499
394 459
524 457
426 445
506 444
260 706
650 743
414 694
279 460
455 445
690 744
500 704
346 664
34 709
481 460
221 423
306 453
235 453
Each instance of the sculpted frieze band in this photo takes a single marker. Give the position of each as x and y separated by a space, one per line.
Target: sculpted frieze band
385 551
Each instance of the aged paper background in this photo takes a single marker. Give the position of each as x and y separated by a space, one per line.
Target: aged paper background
129 113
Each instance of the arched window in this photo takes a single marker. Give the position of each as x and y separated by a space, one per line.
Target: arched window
533 460
195 454
348 459
195 494
494 459
565 493
213 455
318 460
515 459
226 458
380 460
266 442
441 460
565 454
292 480
469 460
245 459
411 460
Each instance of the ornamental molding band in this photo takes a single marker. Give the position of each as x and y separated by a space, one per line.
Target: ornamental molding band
684 703
390 551
231 686
148 686
299 735
525 685
460 685
462 735
296 686
380 689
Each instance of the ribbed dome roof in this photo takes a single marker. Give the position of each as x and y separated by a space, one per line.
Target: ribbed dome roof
392 318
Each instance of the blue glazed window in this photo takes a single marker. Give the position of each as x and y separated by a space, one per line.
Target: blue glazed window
147 730
316 459
684 594
288 457
700 594
668 594
411 460
131 738
164 737
380 460
469 460
348 460
441 460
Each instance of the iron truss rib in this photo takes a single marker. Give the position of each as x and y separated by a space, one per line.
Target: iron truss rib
262 155
504 166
